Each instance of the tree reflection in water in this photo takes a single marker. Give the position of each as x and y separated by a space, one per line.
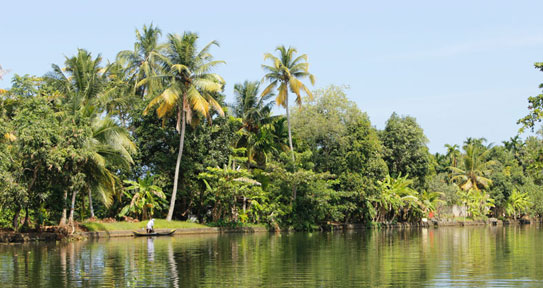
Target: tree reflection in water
469 256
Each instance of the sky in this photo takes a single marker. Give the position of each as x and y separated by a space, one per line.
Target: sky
461 68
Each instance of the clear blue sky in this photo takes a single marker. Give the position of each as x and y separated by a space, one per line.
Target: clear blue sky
461 68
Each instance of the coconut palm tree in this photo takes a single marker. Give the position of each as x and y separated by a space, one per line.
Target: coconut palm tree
474 169
82 82
118 97
110 146
142 61
188 88
286 71
254 110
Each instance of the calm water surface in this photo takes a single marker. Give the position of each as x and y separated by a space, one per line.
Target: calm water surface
446 257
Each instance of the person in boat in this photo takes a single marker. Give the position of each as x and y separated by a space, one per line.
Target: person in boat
151 226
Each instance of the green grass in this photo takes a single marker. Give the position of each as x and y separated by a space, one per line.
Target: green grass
159 224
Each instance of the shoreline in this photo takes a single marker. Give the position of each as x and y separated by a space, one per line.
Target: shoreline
24 237
20 237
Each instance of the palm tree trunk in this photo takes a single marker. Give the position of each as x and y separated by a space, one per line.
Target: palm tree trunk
291 148
90 203
289 133
64 199
178 163
71 218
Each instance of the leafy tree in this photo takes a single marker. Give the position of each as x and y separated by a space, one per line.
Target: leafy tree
316 202
535 195
322 122
227 187
209 147
535 108
449 192
35 150
82 82
405 150
286 71
344 143
189 88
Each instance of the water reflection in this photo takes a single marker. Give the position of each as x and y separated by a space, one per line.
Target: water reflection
151 249
173 266
470 256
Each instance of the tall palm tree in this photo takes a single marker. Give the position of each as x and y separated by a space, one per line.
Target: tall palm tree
82 83
475 167
142 61
188 87
286 71
82 79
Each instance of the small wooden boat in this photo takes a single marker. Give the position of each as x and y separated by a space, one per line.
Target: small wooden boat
166 233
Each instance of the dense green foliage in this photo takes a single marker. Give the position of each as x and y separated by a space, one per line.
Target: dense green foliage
88 130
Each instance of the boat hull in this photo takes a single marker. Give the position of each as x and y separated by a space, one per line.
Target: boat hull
144 234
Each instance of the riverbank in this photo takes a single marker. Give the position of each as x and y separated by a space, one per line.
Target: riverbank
97 230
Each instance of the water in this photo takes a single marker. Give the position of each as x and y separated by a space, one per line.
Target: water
445 257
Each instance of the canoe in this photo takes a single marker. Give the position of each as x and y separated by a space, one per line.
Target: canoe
154 233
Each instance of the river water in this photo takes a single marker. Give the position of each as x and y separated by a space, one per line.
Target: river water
445 257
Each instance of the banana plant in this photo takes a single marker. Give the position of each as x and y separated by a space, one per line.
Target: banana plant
517 203
145 198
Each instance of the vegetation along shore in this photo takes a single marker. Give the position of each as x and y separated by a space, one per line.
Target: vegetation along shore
150 134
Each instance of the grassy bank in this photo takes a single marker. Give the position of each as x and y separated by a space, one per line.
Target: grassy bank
120 226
